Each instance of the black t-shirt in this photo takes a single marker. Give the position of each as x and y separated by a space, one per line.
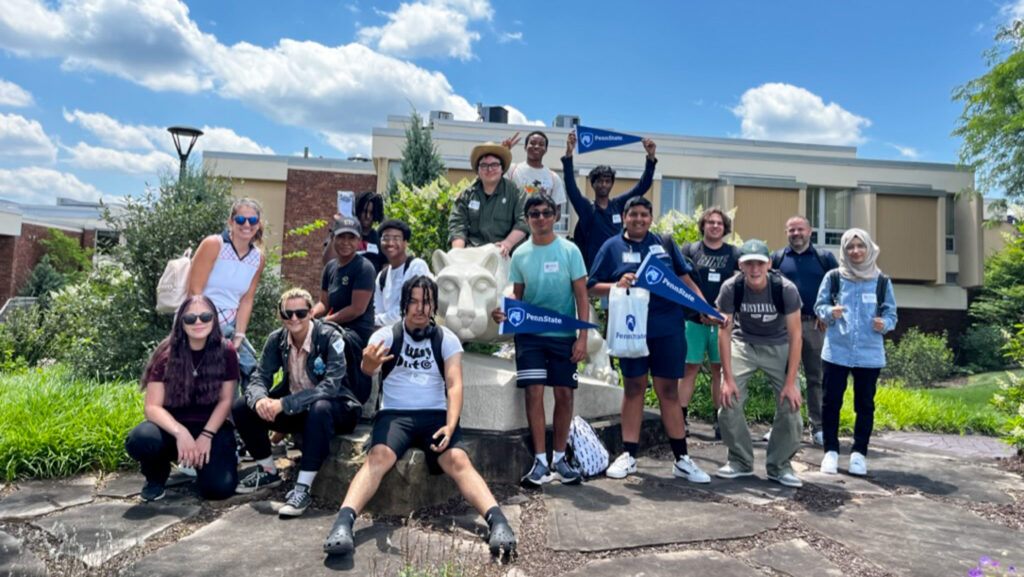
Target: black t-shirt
369 248
195 412
339 282
714 266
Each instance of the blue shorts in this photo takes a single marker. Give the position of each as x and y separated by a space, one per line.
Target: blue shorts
666 358
545 361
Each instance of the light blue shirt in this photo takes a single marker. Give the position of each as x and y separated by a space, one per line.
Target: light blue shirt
850 340
548 272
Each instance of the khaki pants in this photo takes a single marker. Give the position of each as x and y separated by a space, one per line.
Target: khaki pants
788 424
810 358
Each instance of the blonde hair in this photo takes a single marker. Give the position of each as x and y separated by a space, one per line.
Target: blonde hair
255 205
295 293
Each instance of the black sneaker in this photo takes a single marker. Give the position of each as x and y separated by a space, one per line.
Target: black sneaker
258 479
296 502
152 491
340 541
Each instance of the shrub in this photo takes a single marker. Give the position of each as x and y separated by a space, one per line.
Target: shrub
67 255
57 425
1010 399
683 227
24 341
426 209
981 349
43 280
919 360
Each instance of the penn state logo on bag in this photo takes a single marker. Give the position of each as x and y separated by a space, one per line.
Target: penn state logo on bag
516 316
586 139
631 322
653 275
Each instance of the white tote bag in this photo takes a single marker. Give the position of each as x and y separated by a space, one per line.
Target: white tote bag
627 322
173 286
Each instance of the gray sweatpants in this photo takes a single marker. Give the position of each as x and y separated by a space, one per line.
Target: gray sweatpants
810 358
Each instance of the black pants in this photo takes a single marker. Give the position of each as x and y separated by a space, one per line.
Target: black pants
864 383
318 425
155 449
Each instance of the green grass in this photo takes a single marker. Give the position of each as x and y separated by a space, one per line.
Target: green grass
54 425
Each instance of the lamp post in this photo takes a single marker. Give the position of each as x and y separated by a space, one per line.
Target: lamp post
177 132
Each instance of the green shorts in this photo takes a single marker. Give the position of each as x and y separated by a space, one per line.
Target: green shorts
701 339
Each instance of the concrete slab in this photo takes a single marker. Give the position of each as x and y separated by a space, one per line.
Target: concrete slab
122 485
963 447
294 547
795 558
756 490
35 498
473 526
913 535
578 516
680 563
840 483
94 533
16 560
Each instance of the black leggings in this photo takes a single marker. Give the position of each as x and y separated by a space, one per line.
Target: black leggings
864 384
318 425
155 449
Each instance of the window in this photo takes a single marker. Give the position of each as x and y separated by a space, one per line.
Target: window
685 195
950 223
828 209
106 240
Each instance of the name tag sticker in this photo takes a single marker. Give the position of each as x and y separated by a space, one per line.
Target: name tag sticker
869 298
656 249
714 277
616 219
372 248
474 205
338 346
550 267
631 257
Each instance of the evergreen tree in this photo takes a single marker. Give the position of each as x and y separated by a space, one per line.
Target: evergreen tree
421 164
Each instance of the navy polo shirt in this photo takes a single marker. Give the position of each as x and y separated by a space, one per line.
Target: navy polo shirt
618 256
805 271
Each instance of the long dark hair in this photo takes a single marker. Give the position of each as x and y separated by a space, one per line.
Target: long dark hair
180 388
429 293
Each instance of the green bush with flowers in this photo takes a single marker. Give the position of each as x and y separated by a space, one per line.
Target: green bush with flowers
425 209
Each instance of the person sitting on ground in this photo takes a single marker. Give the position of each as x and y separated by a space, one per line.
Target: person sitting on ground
313 399
856 320
189 382
548 272
491 209
421 400
347 283
387 291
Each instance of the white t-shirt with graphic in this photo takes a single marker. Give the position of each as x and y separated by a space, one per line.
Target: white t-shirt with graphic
532 180
416 384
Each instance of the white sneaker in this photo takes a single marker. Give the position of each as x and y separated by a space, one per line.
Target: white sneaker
622 466
830 463
818 439
787 479
858 464
687 469
767 436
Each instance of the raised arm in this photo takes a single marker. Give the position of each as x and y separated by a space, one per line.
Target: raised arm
202 264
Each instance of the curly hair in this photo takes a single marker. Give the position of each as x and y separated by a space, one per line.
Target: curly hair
726 221
429 293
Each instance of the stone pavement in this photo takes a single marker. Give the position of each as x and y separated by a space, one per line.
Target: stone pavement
922 511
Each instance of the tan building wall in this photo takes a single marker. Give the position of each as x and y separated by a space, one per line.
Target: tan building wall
995 237
907 233
763 213
271 196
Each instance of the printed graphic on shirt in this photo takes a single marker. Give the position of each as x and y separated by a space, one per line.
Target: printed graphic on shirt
713 261
764 312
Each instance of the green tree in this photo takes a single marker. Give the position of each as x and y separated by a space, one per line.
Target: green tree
421 164
67 255
992 123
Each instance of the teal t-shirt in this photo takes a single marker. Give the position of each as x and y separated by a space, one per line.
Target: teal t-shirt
548 272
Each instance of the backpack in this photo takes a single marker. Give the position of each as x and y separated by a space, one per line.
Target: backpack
774 283
589 456
359 383
880 290
398 336
383 274
173 286
821 253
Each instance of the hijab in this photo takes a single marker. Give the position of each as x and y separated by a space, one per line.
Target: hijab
867 270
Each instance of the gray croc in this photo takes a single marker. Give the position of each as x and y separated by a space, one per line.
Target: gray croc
339 541
502 539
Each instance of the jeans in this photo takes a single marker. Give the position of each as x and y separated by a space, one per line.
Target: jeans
318 425
155 448
864 382
246 352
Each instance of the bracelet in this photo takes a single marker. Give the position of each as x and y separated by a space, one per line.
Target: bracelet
208 432
239 335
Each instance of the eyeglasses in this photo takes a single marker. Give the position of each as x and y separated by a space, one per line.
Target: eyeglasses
489 165
298 313
240 220
541 213
389 238
191 319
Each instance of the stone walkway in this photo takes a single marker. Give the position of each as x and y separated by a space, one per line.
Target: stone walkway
933 505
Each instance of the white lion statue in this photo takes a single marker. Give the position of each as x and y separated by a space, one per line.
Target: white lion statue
469 282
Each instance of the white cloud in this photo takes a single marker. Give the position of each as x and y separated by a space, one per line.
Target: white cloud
111 131
777 111
1012 11
516 116
13 95
226 140
906 151
24 139
434 28
507 37
99 158
35 185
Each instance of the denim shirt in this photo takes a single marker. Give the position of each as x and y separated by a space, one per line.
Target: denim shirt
850 340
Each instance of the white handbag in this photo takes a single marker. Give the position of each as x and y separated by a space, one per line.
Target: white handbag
627 322
173 286
589 456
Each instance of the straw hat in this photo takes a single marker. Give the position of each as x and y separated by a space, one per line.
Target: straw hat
494 149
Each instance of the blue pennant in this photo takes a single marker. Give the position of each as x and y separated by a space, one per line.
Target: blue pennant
523 317
655 276
591 139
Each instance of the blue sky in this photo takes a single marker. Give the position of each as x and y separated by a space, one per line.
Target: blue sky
87 87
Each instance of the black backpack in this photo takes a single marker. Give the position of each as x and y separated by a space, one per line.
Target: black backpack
774 284
360 384
880 290
397 338
821 253
383 274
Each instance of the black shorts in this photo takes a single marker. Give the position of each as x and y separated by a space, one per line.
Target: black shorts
400 430
666 358
545 361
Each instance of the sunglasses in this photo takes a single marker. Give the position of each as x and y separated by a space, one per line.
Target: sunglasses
240 220
541 214
191 319
298 313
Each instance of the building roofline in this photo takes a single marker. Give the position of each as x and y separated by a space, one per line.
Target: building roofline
294 161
